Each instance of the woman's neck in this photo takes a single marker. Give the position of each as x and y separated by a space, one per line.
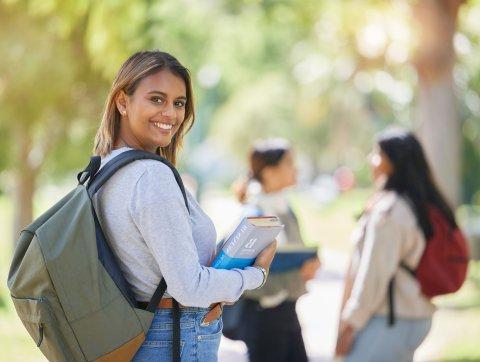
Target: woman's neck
126 138
271 188
267 190
127 142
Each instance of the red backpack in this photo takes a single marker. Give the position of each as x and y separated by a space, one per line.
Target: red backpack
443 266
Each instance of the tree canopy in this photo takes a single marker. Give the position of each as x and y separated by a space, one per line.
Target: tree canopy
327 75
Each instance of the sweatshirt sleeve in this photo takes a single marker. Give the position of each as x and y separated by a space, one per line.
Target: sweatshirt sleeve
159 212
378 263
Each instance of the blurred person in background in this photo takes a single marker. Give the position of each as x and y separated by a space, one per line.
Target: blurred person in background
392 231
269 322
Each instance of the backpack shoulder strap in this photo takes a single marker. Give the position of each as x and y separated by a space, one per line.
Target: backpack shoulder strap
98 179
89 171
408 269
125 158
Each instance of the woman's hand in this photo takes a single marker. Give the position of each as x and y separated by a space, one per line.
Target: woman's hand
264 259
309 269
346 336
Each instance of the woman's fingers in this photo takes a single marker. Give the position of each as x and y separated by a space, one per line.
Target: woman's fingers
345 340
264 259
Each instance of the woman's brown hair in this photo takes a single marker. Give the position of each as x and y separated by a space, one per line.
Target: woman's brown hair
139 66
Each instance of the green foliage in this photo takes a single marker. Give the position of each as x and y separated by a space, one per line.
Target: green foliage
47 81
306 54
265 112
474 274
327 75
467 76
465 348
5 144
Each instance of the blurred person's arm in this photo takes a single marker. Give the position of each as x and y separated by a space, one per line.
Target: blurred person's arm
240 188
347 286
309 269
345 335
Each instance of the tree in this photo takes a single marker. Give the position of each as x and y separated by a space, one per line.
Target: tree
58 68
440 127
45 94
327 75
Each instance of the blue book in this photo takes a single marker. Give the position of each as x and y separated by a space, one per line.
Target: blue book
247 240
291 257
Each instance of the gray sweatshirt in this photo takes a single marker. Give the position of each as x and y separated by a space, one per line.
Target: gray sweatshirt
143 215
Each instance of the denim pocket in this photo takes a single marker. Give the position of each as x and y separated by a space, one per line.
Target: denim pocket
211 331
208 341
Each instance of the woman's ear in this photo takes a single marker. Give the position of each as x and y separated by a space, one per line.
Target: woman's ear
388 167
121 102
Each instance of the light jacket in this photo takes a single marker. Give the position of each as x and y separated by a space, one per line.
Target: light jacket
386 236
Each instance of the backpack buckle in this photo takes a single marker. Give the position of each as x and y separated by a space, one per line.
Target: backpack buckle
90 170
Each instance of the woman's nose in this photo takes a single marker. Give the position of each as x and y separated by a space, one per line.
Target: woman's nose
168 111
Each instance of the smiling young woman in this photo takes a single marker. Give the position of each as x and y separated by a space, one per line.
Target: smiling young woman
145 218
149 107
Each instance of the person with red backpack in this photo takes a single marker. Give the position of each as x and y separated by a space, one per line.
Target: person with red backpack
408 249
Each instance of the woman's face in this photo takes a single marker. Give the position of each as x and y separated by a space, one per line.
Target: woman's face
155 111
380 164
283 175
287 170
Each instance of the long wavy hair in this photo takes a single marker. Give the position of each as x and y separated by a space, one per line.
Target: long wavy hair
412 176
136 68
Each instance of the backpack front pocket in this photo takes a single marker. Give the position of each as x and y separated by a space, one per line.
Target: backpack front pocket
37 317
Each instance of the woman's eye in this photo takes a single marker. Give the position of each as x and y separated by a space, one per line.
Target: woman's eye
179 104
157 100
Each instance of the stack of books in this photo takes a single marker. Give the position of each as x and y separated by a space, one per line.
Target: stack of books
250 237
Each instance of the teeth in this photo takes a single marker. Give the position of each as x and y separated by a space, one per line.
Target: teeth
163 125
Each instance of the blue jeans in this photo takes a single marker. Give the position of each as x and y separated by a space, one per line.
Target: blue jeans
197 343
379 342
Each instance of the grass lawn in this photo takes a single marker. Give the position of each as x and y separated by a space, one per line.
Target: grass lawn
15 343
464 312
455 334
330 225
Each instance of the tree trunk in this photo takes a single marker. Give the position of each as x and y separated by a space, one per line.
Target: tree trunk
441 137
439 123
24 181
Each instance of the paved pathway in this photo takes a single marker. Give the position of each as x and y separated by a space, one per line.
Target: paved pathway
318 314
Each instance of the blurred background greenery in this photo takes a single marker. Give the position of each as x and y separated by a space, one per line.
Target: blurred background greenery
327 75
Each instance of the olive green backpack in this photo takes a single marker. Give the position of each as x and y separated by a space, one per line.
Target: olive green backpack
65 282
